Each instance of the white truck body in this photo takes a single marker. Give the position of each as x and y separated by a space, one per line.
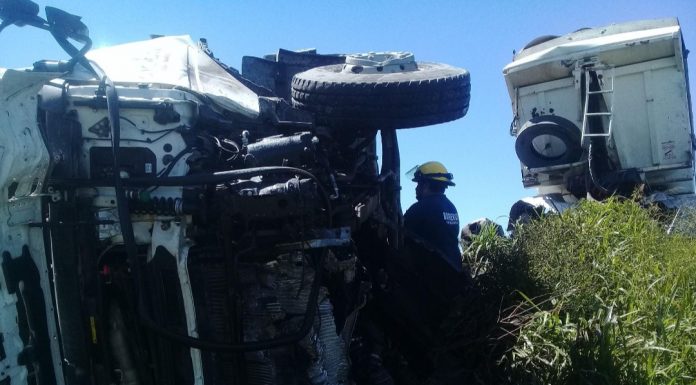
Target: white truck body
646 120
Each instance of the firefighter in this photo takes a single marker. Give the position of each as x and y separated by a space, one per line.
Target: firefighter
434 219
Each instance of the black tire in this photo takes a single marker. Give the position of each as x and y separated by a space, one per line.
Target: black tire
539 40
435 93
557 130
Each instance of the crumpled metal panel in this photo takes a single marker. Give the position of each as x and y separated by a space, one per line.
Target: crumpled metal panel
23 155
176 61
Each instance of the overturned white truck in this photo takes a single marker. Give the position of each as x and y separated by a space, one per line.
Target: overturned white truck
166 219
603 111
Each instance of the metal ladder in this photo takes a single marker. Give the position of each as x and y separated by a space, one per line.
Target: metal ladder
602 73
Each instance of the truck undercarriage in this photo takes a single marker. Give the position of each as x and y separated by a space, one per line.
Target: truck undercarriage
196 225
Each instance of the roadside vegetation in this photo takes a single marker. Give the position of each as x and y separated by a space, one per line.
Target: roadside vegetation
600 294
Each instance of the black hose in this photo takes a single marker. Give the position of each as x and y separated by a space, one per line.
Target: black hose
131 249
594 178
187 180
200 179
76 56
218 177
121 201
596 151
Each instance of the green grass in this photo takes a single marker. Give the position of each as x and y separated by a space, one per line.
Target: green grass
600 294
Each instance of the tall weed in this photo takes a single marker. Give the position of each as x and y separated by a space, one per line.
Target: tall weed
605 296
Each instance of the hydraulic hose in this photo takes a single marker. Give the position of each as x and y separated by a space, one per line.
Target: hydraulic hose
592 173
200 179
132 253
595 151
121 201
77 56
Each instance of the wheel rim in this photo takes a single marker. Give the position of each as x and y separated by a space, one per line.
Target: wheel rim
380 62
549 146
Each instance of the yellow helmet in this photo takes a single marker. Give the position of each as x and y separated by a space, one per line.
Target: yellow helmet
434 171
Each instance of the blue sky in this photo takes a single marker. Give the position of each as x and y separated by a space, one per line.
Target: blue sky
477 35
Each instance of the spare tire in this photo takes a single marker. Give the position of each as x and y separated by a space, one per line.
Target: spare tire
548 140
429 94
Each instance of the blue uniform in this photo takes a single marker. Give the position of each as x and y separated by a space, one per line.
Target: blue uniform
434 219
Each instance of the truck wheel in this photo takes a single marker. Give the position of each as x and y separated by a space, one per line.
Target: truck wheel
383 90
547 141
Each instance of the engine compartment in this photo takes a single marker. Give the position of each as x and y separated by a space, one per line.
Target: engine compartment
160 231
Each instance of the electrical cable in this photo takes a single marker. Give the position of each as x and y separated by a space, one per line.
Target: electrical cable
131 248
166 132
132 123
174 161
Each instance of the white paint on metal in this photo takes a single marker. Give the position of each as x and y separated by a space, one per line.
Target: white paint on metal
380 62
616 45
12 343
176 61
25 160
24 163
559 98
138 126
171 235
648 104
